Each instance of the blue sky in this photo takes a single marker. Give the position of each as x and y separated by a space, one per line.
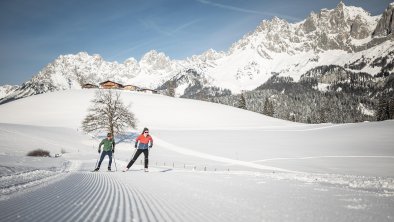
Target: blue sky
35 32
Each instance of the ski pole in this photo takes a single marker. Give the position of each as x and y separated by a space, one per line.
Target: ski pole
132 155
116 169
135 150
97 161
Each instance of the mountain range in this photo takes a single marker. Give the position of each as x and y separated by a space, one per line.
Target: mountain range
330 46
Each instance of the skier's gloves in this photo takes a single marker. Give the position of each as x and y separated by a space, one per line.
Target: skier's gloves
113 151
99 151
150 146
135 146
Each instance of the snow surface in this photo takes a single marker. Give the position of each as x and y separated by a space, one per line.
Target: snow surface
209 162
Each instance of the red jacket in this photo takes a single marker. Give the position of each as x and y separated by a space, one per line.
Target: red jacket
144 141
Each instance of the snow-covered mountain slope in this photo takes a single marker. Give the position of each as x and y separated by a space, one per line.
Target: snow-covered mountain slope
340 36
330 37
7 90
68 108
209 162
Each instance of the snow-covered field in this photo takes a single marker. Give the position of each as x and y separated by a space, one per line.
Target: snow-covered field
209 163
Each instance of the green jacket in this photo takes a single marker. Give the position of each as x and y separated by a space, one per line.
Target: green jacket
108 144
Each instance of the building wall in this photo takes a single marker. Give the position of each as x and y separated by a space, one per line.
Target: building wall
132 88
110 85
89 86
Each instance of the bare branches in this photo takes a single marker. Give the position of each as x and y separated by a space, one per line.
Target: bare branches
108 113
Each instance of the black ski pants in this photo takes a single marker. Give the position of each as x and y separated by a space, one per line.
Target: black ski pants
137 154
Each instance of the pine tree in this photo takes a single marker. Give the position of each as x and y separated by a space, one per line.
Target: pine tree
268 108
171 88
271 110
242 102
383 109
322 116
391 108
265 108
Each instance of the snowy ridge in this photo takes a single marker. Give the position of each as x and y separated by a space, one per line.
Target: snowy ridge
6 90
330 37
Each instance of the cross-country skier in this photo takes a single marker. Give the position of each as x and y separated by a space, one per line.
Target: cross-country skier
143 143
109 148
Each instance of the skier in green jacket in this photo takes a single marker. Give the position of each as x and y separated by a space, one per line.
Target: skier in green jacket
109 148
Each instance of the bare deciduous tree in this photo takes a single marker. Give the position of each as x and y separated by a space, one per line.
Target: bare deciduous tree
108 113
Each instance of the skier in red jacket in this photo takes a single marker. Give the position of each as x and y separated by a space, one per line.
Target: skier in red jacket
143 143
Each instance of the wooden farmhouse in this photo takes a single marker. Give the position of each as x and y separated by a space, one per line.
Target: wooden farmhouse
131 88
114 85
89 86
111 85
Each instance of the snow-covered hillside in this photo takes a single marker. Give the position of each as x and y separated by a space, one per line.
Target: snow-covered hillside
209 162
68 108
343 36
7 90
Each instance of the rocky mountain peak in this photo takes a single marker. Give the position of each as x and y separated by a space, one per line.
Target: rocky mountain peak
340 7
326 30
130 62
155 60
274 24
385 25
310 24
209 55
337 17
151 55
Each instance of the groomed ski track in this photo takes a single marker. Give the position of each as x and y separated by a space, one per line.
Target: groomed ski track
167 194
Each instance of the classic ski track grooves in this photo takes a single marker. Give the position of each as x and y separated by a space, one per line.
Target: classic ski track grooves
96 196
170 210
99 196
116 196
29 200
158 204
